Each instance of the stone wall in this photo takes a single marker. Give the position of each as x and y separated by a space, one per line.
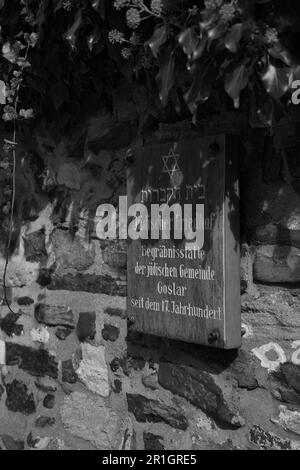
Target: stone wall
74 377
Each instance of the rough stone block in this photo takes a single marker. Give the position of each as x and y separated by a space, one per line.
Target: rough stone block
200 388
19 399
54 315
154 411
35 246
37 362
86 326
93 370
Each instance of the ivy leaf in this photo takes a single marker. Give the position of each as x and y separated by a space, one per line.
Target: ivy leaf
10 51
2 92
200 89
157 40
165 77
58 5
279 52
216 32
71 34
233 38
198 52
235 82
295 73
188 41
276 80
99 6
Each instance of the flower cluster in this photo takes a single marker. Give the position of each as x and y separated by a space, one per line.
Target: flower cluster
67 5
212 4
9 113
227 12
116 37
118 4
126 53
156 6
137 10
133 18
271 36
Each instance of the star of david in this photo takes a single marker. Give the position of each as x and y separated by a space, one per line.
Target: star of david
170 162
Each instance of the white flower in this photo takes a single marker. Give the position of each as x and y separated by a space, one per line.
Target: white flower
116 37
156 6
133 18
118 4
126 53
212 4
271 36
227 12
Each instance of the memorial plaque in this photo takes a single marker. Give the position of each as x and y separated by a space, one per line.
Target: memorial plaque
184 263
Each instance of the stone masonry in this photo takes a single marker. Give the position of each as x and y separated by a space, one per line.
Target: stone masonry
74 376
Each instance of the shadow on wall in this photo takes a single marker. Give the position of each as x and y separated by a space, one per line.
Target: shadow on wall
270 207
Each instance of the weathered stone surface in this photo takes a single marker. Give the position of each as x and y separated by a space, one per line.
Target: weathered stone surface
25 301
288 419
69 176
8 294
291 375
154 411
110 333
244 370
152 442
37 362
93 283
208 444
12 444
277 264
44 421
68 372
35 247
150 381
49 401
273 316
92 369
63 333
272 234
286 383
270 441
115 312
115 258
128 442
86 326
70 253
130 363
54 315
88 417
19 399
38 443
199 387
46 385
117 386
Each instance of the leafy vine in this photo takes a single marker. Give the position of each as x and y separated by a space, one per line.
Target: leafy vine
62 60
